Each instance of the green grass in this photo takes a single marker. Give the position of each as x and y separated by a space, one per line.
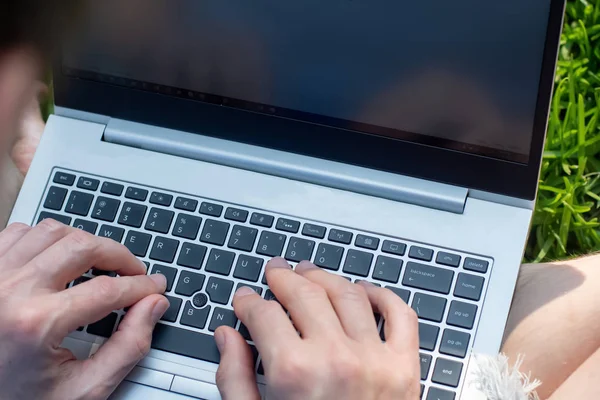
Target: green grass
566 220
566 216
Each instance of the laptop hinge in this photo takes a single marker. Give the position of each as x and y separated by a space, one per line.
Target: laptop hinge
292 166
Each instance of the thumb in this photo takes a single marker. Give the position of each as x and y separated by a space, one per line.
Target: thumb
235 378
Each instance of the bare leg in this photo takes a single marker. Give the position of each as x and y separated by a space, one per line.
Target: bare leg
583 383
554 320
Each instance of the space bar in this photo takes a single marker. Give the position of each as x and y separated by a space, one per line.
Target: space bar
185 343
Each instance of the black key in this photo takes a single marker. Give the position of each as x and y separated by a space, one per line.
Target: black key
455 343
64 179
183 203
245 332
99 272
105 209
138 243
461 314
114 233
132 214
339 236
88 183
168 272
164 249
88 226
159 220
242 238
187 226
299 249
439 394
191 255
200 300
287 225
270 296
211 209
248 268
218 290
262 220
451 260
428 278
260 370
396 248
428 336
422 390
429 307
425 365
186 343
80 280
104 327
235 214
79 203
387 269
194 317
112 188
162 199
189 283
366 242
315 231
136 193
257 289
60 218
447 372
420 253
214 232
174 305
264 279
55 198
220 317
220 262
358 263
271 244
329 256
402 293
472 264
469 286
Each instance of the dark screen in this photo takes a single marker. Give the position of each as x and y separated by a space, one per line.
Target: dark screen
461 75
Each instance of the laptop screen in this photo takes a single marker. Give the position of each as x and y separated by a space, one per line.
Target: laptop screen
459 75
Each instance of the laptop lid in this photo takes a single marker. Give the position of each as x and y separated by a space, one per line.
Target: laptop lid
450 92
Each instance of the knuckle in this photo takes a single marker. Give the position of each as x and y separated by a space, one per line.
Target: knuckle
28 323
142 345
51 226
353 293
412 316
106 288
291 371
82 240
347 367
310 290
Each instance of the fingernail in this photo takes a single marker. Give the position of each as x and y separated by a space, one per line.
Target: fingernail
160 280
305 266
159 309
278 263
244 291
220 340
365 283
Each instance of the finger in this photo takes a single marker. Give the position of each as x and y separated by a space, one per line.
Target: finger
401 323
349 300
268 324
235 376
93 300
306 301
9 237
131 342
77 252
36 240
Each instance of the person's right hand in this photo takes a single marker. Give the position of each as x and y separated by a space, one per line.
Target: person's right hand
37 313
338 354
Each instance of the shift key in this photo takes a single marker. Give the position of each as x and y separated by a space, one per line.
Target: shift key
426 277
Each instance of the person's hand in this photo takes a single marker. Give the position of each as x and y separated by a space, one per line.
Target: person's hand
36 312
338 355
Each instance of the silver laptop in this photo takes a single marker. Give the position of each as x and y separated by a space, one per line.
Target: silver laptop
391 141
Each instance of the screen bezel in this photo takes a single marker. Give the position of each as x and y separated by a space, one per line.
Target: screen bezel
377 152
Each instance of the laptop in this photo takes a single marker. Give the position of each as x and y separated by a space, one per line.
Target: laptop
394 142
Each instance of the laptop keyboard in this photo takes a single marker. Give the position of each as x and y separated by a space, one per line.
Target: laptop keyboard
207 249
